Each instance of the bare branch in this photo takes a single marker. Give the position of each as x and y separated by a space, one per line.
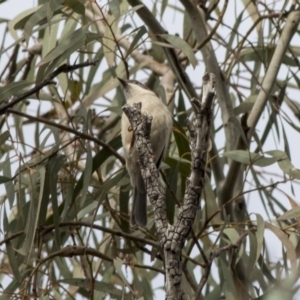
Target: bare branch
173 237
48 80
82 135
272 72
258 108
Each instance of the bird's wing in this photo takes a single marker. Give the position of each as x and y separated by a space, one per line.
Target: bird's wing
160 158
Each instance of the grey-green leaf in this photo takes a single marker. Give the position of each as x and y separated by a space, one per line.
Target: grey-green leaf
285 164
181 44
14 89
142 30
290 214
4 179
250 158
67 46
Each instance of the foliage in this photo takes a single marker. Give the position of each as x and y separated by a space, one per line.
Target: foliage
65 193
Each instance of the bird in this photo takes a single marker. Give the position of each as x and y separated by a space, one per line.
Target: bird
162 121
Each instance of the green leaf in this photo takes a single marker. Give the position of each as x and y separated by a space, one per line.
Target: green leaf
233 235
211 204
10 251
221 231
164 4
229 283
50 38
4 179
238 125
20 20
290 214
46 11
114 5
261 53
182 141
33 217
141 31
46 194
290 249
3 20
77 6
109 43
252 253
113 181
245 106
10 289
284 163
87 174
182 112
181 44
184 165
87 209
234 33
91 75
98 160
125 9
67 46
259 234
53 5
161 93
118 266
4 136
250 158
172 175
9 187
108 288
14 89
55 164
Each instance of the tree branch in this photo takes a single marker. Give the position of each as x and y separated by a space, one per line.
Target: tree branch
82 135
48 80
272 72
213 255
173 237
261 101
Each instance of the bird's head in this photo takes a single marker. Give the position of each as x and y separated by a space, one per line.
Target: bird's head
133 88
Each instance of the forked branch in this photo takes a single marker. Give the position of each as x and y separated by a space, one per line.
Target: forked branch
172 237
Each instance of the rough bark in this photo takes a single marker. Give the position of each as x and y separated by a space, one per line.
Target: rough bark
172 237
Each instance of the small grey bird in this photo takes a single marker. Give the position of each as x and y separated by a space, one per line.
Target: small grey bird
160 131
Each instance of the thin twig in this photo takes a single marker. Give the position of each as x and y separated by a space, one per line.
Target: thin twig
68 129
213 255
48 80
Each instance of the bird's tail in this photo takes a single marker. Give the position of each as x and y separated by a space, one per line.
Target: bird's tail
139 208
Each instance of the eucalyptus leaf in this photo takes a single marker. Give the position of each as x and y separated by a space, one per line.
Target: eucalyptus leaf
32 220
67 46
118 266
142 30
250 158
3 137
98 285
181 44
284 163
290 214
14 89
76 5
4 179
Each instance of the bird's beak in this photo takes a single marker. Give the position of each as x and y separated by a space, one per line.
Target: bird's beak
123 82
